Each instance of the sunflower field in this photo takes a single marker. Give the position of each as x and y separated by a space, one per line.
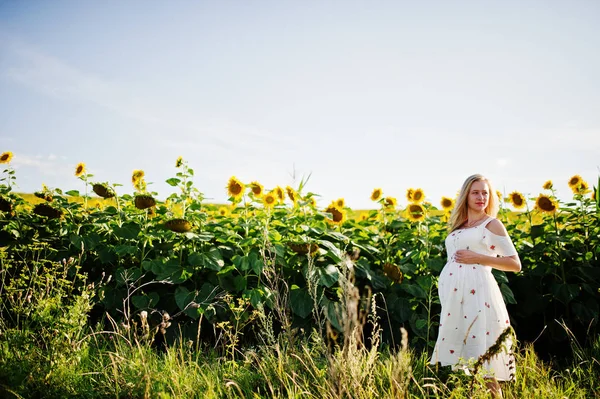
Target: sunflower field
274 264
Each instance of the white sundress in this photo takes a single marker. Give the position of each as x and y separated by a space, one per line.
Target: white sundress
473 310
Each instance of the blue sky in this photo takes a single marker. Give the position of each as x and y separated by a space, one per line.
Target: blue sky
391 94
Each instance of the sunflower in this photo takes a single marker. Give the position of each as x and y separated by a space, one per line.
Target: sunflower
292 194
178 225
390 202
338 215
548 185
583 188
447 203
418 196
546 204
257 189
280 194
223 211
137 175
415 212
179 162
140 185
79 169
269 200
574 182
499 195
235 189
376 194
6 157
341 203
409 194
311 201
517 199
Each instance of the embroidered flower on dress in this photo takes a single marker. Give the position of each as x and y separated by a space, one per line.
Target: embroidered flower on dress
473 292
492 247
451 351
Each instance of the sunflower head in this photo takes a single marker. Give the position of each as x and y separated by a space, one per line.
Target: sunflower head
235 189
447 203
179 162
340 203
223 211
517 199
376 194
418 196
546 204
6 157
269 200
409 194
178 225
311 201
390 203
103 190
292 194
79 169
499 195
548 185
338 216
257 189
140 185
137 175
415 212
583 188
574 182
279 194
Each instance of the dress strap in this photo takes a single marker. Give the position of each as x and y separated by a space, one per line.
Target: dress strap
487 221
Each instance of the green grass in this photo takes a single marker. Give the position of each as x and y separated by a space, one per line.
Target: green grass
117 368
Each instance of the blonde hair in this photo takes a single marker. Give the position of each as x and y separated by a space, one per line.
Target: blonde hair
460 212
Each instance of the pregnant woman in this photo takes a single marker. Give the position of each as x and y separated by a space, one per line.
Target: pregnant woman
473 311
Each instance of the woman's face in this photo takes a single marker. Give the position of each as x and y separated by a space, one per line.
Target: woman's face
478 196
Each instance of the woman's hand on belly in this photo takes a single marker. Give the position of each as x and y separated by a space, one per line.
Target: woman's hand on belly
467 257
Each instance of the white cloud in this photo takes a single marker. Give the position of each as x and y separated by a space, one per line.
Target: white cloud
54 77
47 165
502 162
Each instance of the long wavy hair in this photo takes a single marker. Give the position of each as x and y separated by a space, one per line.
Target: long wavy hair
460 213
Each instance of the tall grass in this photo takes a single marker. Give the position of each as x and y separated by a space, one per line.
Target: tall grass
51 351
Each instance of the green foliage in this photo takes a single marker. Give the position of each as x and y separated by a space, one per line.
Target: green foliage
287 262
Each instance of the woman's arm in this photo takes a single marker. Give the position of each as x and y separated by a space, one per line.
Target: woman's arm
504 263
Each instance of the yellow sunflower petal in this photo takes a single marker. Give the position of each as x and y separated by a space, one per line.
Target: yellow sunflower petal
546 204
517 199
376 194
6 157
79 169
235 189
415 212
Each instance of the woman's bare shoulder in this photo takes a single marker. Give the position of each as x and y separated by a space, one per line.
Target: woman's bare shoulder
496 227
